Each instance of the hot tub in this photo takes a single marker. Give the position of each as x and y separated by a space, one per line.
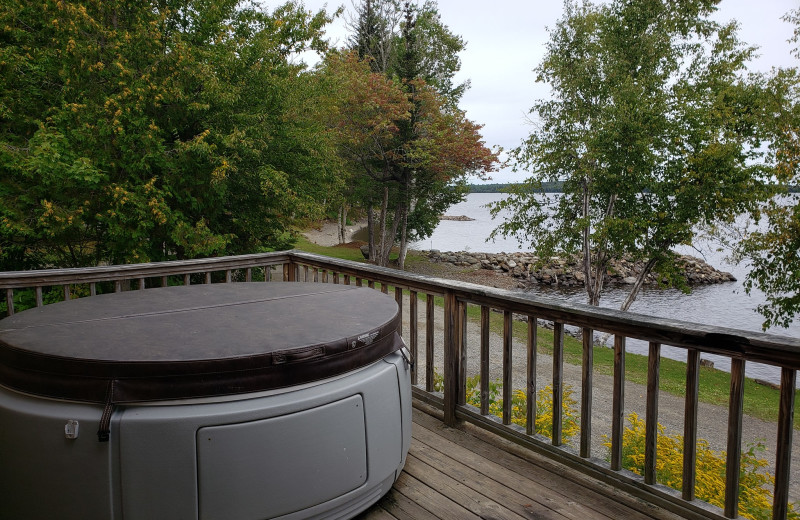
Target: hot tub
226 401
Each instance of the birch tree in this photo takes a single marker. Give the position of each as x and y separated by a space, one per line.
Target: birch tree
652 127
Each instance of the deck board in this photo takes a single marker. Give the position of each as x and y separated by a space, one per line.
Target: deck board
453 474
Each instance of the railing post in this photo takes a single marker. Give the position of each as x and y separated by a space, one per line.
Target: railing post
413 334
10 301
783 459
462 349
429 334
484 360
734 459
690 424
651 418
452 358
618 403
587 370
508 343
530 392
558 381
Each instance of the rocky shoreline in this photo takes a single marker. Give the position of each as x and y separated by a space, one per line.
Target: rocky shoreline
568 272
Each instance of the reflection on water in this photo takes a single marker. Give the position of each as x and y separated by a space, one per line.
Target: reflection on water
724 305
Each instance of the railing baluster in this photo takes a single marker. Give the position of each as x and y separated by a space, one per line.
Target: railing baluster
384 288
117 286
462 339
530 391
187 279
66 292
587 391
359 282
248 274
733 462
429 329
38 292
92 289
413 333
618 403
286 272
164 281
267 273
371 284
651 417
10 301
347 279
336 279
507 368
452 358
690 423
208 277
558 381
398 298
783 457
484 360
141 284
227 276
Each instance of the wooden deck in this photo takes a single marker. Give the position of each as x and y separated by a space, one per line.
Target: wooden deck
467 475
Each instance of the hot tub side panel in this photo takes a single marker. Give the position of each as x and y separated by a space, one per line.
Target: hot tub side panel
162 468
42 469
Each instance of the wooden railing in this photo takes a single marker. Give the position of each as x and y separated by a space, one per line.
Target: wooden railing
741 347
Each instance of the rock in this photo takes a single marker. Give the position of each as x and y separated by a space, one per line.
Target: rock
365 251
569 271
459 218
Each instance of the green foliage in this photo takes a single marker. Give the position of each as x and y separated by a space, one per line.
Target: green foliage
653 129
418 171
772 250
149 131
755 495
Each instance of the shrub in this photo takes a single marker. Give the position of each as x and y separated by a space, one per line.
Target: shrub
755 483
519 409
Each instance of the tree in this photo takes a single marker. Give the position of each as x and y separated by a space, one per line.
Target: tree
154 130
652 127
413 186
772 249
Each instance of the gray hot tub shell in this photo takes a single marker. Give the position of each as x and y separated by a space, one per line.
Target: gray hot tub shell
204 421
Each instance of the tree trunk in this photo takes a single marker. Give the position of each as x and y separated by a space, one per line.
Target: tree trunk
401 259
371 232
382 259
342 223
637 286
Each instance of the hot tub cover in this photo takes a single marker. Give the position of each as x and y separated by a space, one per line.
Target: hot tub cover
195 341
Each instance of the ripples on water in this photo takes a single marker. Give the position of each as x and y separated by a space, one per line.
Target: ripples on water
725 305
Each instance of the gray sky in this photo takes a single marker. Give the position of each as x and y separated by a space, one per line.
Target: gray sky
506 38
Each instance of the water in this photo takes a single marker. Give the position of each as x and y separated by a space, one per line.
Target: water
725 305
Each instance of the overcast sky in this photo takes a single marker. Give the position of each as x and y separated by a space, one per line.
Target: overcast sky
505 41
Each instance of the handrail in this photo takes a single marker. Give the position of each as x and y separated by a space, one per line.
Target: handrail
740 346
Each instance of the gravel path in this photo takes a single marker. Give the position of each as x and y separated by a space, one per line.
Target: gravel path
712 419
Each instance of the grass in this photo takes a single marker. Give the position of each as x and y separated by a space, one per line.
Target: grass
760 401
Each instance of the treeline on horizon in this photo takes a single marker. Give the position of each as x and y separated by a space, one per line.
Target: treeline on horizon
547 187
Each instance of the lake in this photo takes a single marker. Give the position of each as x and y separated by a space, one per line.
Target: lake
723 304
